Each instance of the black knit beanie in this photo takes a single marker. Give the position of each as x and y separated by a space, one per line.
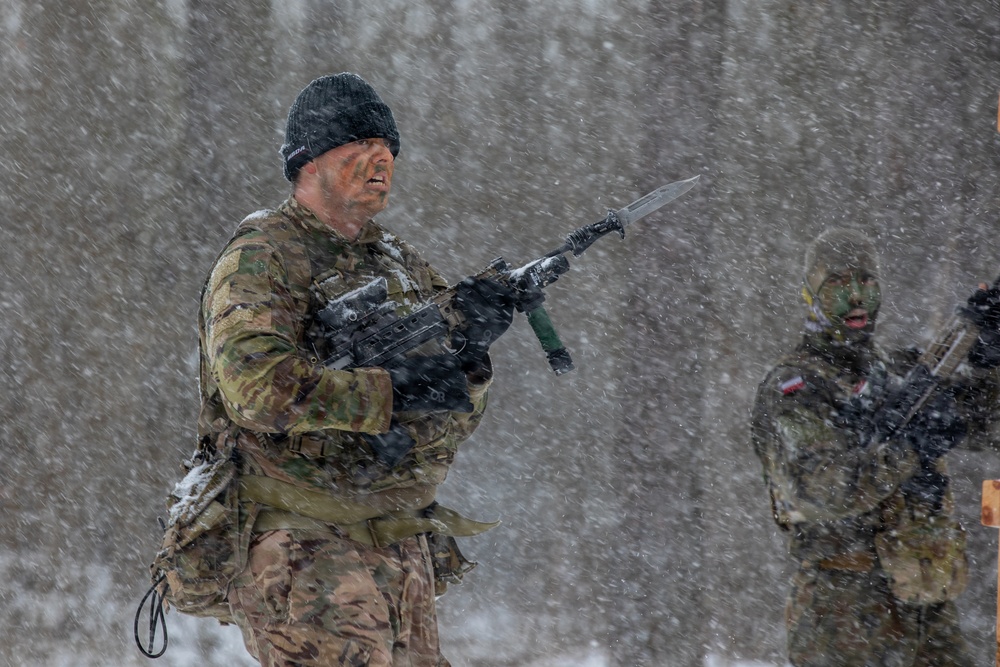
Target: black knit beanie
332 111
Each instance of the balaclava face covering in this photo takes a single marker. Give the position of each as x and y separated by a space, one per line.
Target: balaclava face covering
841 288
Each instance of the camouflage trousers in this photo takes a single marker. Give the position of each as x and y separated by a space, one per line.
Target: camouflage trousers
310 597
838 618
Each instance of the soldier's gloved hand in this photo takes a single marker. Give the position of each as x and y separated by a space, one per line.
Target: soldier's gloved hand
430 383
488 307
390 447
936 429
986 351
983 310
983 307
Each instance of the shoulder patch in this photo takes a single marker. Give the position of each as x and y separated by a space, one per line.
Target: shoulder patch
225 267
792 385
226 323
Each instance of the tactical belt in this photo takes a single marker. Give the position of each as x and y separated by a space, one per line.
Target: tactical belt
855 561
292 507
312 447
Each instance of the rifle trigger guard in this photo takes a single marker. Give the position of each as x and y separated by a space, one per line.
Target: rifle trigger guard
458 342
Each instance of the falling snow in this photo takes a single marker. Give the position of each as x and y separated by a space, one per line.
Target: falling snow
636 529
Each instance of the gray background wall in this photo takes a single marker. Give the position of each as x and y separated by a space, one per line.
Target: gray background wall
135 135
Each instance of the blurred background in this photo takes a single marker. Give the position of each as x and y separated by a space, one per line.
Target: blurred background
135 135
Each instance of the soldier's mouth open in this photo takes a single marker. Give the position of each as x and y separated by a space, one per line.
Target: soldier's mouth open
856 319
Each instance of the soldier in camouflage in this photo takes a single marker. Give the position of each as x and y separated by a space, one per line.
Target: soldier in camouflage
880 557
338 469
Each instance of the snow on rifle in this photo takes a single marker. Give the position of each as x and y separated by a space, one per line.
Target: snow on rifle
362 329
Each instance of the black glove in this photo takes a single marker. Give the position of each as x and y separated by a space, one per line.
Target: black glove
390 447
936 429
430 383
986 352
983 307
983 310
488 307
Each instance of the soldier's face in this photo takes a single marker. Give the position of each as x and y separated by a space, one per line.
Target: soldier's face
355 178
850 300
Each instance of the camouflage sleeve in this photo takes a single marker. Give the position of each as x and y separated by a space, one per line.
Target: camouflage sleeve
816 469
252 326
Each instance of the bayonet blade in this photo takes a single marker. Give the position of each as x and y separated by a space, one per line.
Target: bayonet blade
617 221
643 206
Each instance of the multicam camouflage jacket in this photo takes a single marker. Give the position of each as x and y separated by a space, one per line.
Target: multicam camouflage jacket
261 374
850 502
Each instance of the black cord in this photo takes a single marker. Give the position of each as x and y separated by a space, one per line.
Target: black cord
155 614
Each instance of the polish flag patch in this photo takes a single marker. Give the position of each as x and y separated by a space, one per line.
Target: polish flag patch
793 385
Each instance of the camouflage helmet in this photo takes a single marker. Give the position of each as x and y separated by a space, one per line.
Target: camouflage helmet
839 249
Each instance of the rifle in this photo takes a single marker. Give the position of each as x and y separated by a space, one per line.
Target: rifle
934 367
361 328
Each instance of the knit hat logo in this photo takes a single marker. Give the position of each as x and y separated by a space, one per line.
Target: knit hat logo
297 152
332 111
